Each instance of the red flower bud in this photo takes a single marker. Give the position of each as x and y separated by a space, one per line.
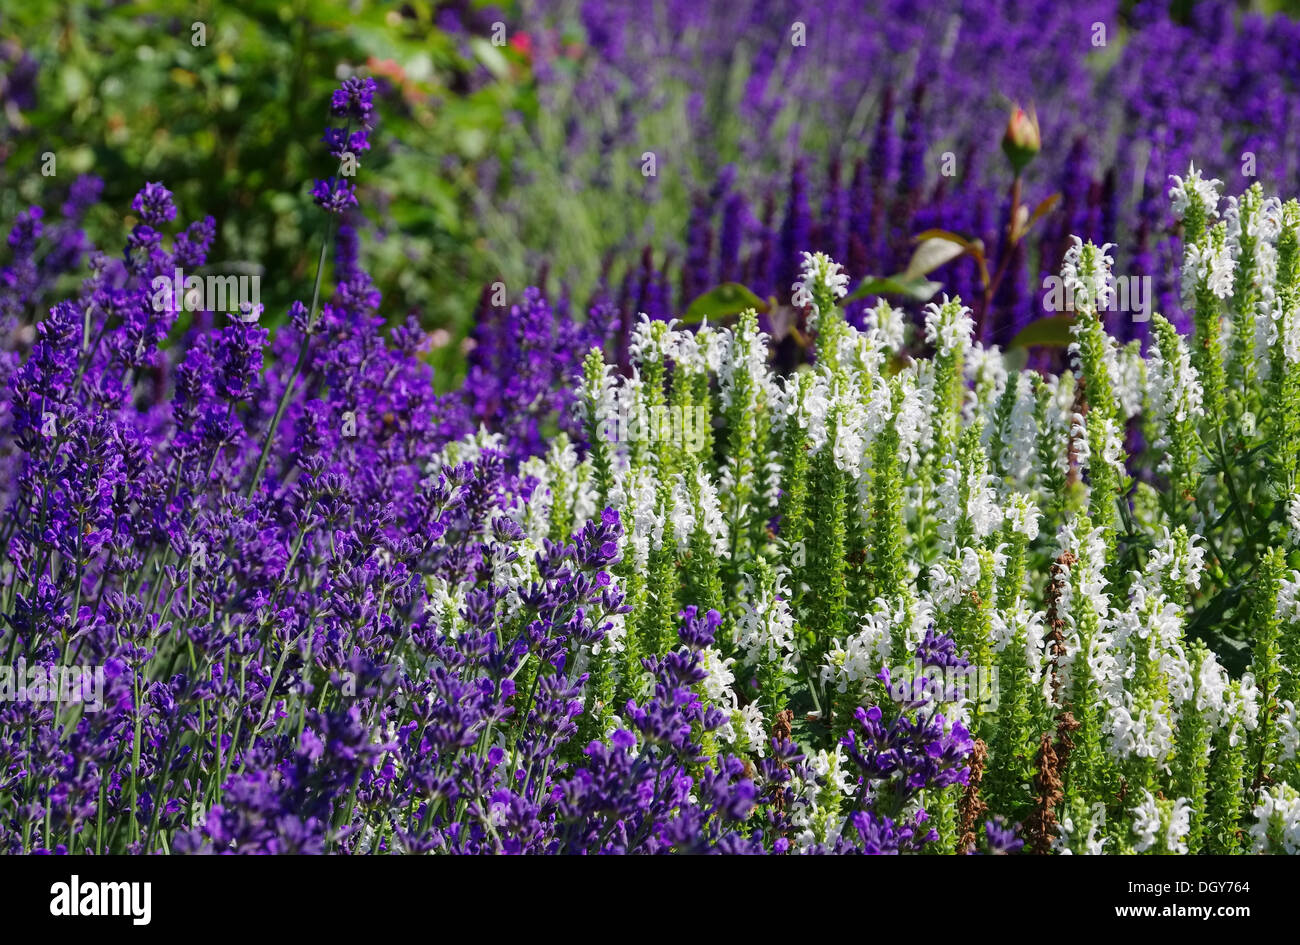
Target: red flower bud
1021 140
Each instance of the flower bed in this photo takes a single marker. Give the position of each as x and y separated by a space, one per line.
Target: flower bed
271 594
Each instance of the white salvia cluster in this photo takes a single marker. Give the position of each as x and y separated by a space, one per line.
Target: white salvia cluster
787 402
699 351
980 507
598 399
855 428
819 792
468 449
805 400
1022 515
445 602
745 727
1175 386
833 770
743 352
628 393
1086 275
685 514
888 325
1180 824
615 639
1164 824
751 729
1212 691
1288 732
536 520
921 619
1263 222
765 632
821 402
986 372
1140 731
1060 423
819 275
952 580
862 655
1277 821
717 686
879 411
1241 709
818 401
1007 625
772 470
710 515
861 354
1168 561
1125 378
1175 394
635 495
1153 621
1288 599
1128 378
1124 644
1112 450
1083 588
1149 632
1208 265
1267 227
1079 440
1283 321
912 419
1022 434
1289 328
948 326
1258 221
1195 189
1079 833
561 478
653 341
1269 312
743 373
1086 573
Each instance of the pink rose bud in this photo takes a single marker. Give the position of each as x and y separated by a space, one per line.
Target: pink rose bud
1021 141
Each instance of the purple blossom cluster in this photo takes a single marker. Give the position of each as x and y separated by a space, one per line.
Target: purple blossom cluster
522 362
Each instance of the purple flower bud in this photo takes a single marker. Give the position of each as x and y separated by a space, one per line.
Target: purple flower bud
155 205
334 195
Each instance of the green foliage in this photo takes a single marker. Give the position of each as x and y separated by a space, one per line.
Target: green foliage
233 127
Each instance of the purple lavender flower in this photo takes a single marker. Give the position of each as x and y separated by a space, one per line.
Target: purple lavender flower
27 229
155 205
354 100
334 195
1001 839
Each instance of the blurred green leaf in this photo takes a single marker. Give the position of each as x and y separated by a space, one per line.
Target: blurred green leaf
1044 207
930 254
490 56
970 247
1053 331
730 298
918 289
